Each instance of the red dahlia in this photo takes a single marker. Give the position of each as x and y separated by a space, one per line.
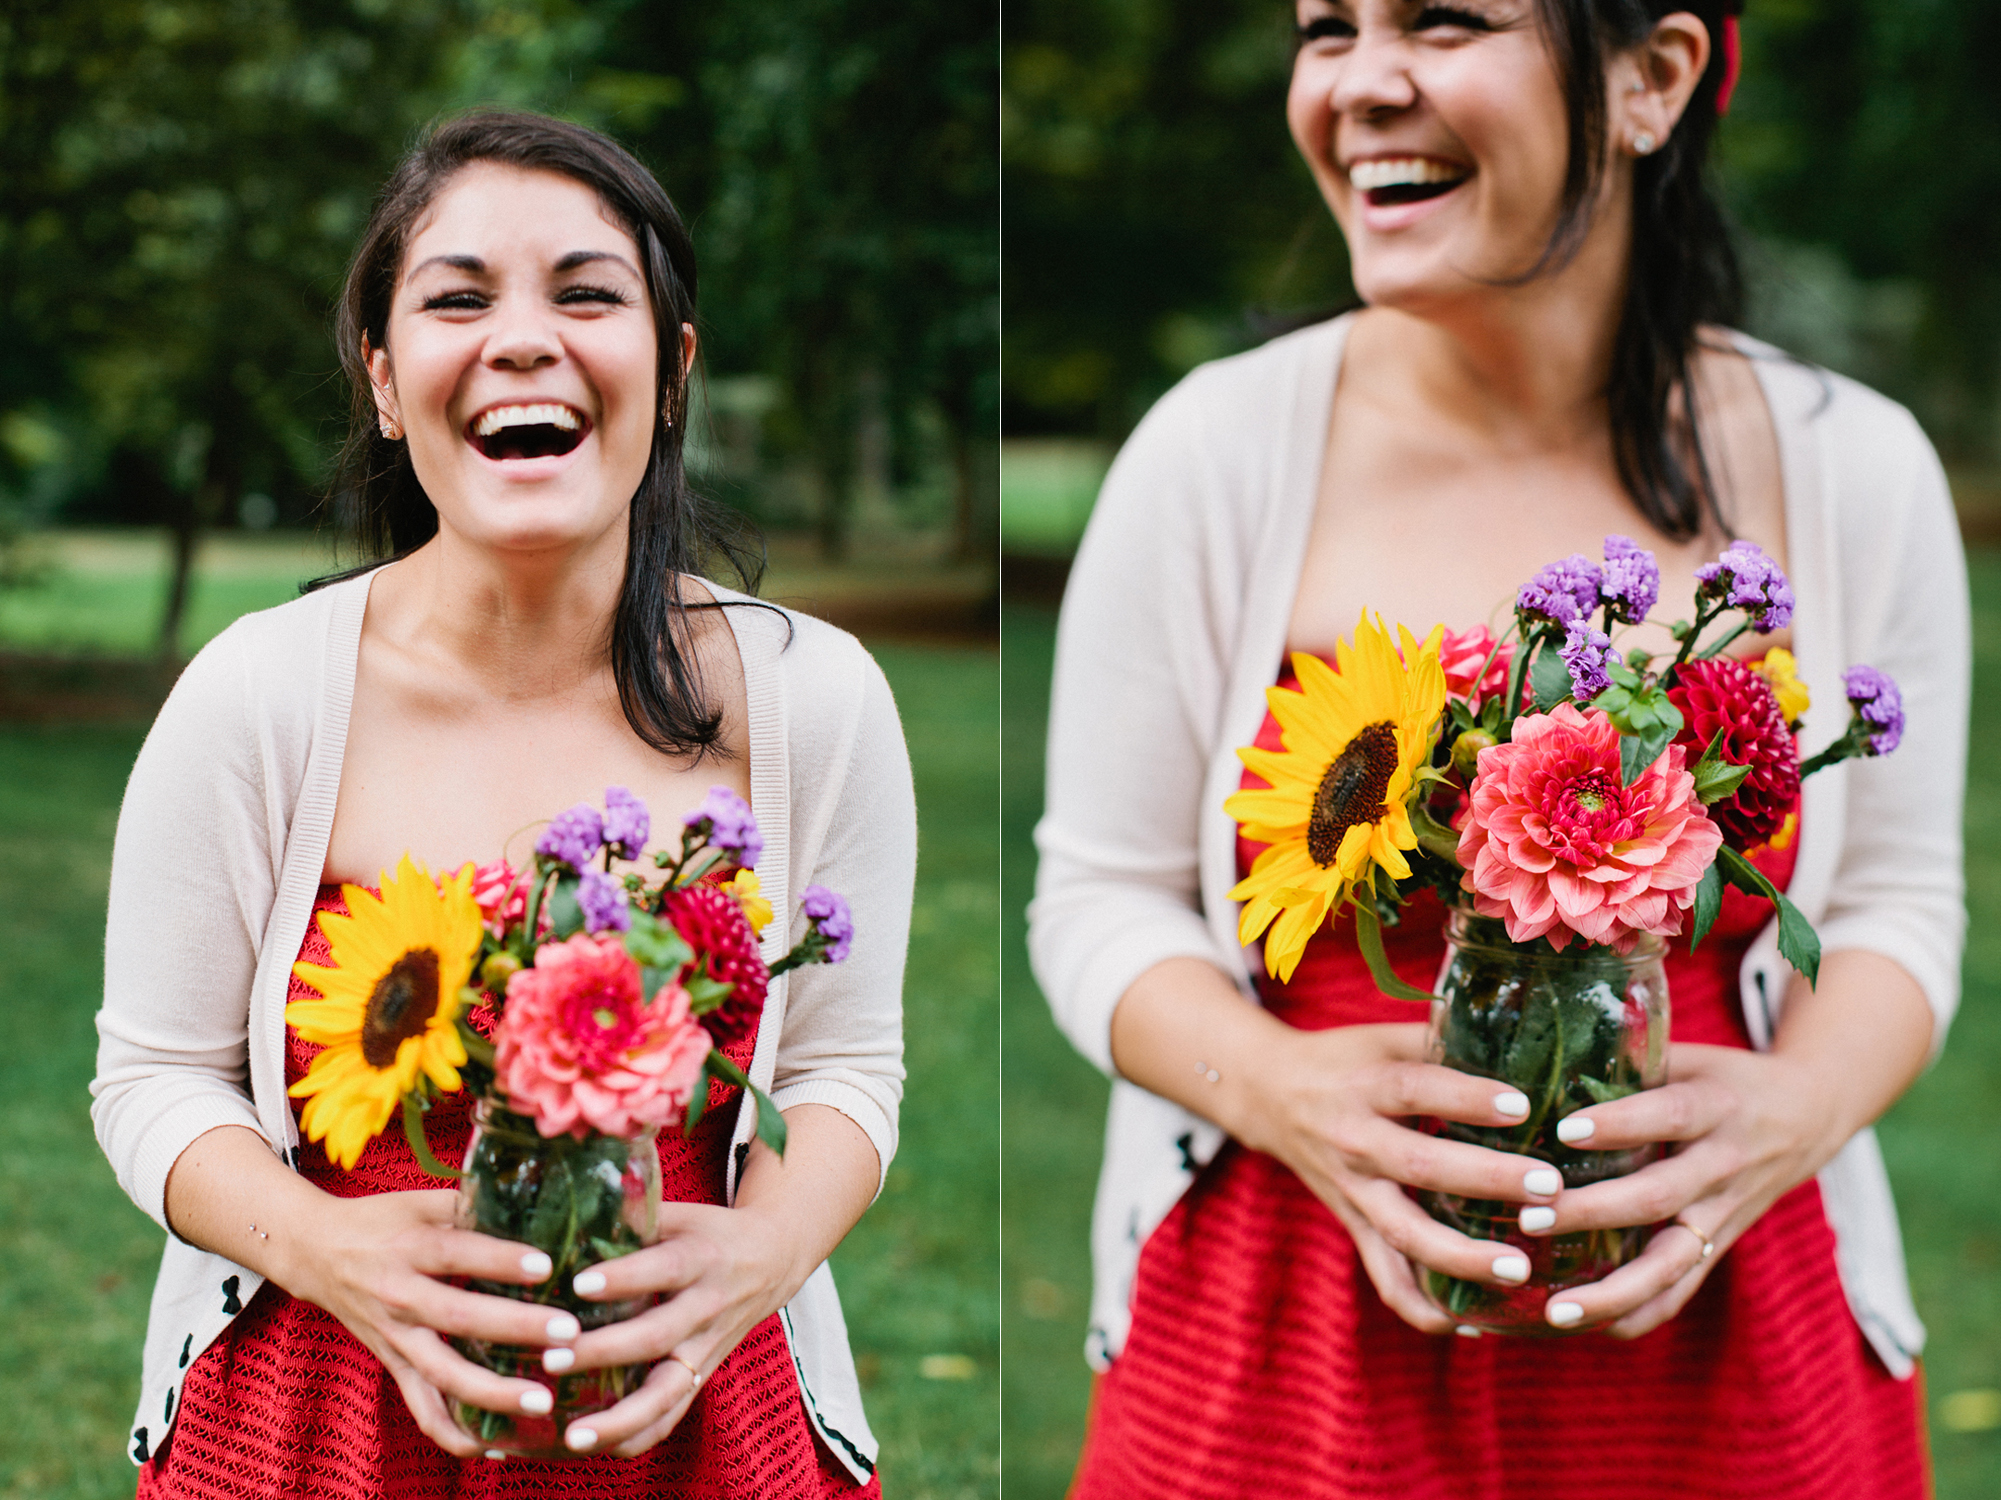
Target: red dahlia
1724 694
713 923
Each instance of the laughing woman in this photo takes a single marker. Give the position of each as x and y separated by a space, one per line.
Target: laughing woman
1544 359
519 327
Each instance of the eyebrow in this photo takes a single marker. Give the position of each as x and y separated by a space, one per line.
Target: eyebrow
472 265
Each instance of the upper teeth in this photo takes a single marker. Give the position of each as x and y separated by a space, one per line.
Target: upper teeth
546 412
1401 171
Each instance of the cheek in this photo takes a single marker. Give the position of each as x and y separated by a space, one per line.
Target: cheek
1308 115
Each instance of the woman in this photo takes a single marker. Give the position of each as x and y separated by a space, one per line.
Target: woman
1541 362
518 325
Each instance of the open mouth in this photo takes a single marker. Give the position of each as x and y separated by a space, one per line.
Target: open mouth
1387 181
543 429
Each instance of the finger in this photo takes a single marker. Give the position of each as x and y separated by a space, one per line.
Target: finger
1667 1258
457 1378
655 1431
1652 1195
480 1315
462 1252
648 1336
1656 1311
1396 1284
432 1414
1418 1160
1418 1088
1673 1112
664 1267
1413 1233
659 1403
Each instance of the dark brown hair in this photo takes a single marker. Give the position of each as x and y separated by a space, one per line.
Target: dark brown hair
383 511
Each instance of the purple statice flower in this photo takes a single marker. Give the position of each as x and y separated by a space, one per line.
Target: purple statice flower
1584 651
1632 582
828 912
603 901
626 824
573 837
1878 704
1749 580
1561 592
725 820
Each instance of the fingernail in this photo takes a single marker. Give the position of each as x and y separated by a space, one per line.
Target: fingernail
587 1283
562 1328
581 1439
1537 1219
537 1402
1574 1128
1511 1103
1511 1268
1544 1182
495 1454
1563 1314
536 1264
1467 1331
556 1361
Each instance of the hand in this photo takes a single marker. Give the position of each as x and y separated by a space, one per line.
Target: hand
1333 1110
378 1263
1750 1126
722 1271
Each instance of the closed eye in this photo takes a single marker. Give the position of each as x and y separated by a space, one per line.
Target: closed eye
1433 16
1325 28
601 294
454 302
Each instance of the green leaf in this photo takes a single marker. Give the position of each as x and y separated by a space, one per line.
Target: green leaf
566 917
1799 944
1715 777
1605 1093
1708 902
1640 716
656 944
1551 678
1369 938
770 1123
1614 701
705 994
1638 751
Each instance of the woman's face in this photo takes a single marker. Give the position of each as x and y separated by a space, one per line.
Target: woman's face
1438 136
521 360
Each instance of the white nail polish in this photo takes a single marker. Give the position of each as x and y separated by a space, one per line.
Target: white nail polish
1535 1219
495 1454
536 1264
588 1282
1575 1128
1511 1104
1513 1268
1467 1331
538 1402
1563 1314
556 1361
1544 1182
580 1439
562 1328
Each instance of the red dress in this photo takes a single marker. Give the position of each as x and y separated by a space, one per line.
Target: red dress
1262 1363
287 1401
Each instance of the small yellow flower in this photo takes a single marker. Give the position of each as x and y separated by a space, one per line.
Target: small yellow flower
1337 807
388 1005
755 908
1779 669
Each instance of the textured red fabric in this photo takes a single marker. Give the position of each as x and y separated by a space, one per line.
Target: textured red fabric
1261 1361
289 1402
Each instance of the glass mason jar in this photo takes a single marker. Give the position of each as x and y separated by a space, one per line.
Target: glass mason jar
581 1202
1570 1029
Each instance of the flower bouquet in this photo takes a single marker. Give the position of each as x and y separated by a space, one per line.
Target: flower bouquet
1574 808
584 1011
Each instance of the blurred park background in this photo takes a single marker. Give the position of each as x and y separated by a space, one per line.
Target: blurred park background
1157 216
181 182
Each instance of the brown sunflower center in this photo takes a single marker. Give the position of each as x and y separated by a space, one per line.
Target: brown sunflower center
1352 790
400 1006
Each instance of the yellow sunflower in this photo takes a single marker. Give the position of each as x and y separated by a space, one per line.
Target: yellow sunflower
388 1004
1336 809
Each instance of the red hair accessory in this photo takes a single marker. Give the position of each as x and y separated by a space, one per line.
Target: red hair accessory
1733 61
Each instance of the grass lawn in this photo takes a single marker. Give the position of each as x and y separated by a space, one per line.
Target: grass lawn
1940 1139
1048 487
918 1275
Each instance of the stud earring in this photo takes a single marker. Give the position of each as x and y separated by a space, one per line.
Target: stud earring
1643 144
391 430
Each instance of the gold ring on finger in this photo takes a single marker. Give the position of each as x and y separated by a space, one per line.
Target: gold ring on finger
1708 1245
693 1374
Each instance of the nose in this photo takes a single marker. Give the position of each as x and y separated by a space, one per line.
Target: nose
522 338
1374 79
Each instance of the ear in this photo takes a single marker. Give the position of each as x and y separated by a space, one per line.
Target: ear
382 385
687 349
1653 82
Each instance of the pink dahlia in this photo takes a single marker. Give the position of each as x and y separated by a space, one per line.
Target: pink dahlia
578 1049
1556 847
1463 653
502 894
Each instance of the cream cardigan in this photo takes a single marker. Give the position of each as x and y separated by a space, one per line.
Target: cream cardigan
221 843
1174 625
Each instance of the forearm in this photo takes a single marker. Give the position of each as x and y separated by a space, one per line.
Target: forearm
228 1193
807 1201
1858 1039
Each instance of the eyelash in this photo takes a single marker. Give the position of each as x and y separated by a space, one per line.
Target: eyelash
473 301
1334 27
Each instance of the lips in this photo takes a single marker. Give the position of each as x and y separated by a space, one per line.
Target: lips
1386 181
521 430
